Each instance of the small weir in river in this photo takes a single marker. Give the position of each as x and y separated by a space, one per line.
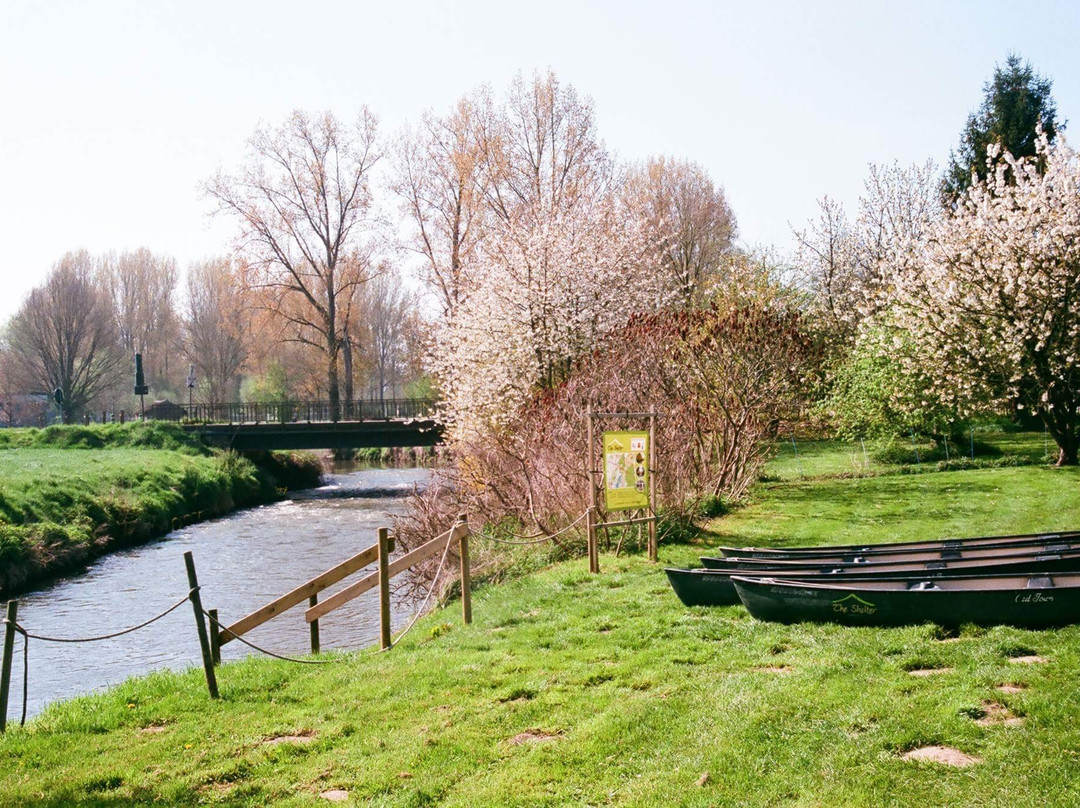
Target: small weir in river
244 561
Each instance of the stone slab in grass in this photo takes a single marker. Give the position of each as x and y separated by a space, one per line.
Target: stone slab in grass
945 755
1028 659
928 671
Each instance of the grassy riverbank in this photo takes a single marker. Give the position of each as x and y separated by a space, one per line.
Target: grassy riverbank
574 689
69 494
571 689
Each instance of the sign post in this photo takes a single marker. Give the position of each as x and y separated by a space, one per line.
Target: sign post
626 477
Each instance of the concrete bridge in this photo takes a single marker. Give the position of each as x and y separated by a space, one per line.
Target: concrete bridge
315 424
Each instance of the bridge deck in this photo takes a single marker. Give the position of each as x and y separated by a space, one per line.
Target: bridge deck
339 435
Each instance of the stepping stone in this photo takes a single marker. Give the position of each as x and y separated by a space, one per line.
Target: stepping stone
1033 659
335 795
946 755
929 671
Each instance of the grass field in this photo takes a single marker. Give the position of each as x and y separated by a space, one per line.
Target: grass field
68 494
571 689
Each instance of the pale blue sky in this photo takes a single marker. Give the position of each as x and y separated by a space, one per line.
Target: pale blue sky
112 113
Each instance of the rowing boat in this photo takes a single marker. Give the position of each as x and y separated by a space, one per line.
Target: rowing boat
941 545
972 551
1037 600
713 587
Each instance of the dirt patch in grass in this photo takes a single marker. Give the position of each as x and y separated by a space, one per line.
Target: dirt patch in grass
301 738
335 795
152 729
534 736
780 669
1008 687
1028 659
995 713
928 671
945 755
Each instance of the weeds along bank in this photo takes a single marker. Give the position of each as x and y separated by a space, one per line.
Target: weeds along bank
70 494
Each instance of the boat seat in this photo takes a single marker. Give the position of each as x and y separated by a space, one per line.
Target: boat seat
924 586
858 560
1049 536
1058 548
951 552
935 565
1040 582
1048 557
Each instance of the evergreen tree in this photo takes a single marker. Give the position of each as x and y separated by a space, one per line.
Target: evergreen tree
1015 100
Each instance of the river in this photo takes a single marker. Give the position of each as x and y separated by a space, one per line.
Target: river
243 561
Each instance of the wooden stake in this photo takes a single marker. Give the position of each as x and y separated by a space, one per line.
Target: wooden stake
590 471
384 588
215 636
9 650
200 625
466 582
652 483
314 626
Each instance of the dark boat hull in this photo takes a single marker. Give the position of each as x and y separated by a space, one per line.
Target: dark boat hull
712 587
942 545
902 563
795 602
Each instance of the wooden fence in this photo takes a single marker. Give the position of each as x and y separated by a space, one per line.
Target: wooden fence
387 569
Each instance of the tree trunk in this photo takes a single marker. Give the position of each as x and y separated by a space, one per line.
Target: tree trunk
333 390
346 349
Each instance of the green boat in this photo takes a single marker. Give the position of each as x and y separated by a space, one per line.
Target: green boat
824 563
1034 601
713 587
944 546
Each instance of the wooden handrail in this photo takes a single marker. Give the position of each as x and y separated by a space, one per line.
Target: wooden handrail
396 567
300 594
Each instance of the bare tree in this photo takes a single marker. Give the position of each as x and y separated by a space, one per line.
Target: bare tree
64 337
143 286
388 306
690 219
218 328
439 175
543 154
303 201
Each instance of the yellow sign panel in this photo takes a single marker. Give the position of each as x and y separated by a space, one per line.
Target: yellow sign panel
626 470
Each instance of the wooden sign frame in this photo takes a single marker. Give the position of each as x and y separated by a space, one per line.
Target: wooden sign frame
597 517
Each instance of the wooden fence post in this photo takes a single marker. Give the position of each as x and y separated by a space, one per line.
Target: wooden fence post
9 650
314 625
652 484
215 637
384 587
200 625
466 583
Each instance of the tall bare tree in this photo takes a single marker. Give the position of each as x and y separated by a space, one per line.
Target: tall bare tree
439 175
218 328
388 306
303 202
690 220
64 337
143 287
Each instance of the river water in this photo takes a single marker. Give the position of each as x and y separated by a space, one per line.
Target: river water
243 561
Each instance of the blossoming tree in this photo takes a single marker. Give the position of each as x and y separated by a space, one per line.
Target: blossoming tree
991 295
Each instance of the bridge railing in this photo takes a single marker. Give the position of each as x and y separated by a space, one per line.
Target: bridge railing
291 412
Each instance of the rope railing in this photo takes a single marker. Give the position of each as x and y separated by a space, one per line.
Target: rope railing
528 541
27 636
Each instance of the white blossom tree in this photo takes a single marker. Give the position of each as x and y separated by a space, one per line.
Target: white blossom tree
990 294
561 262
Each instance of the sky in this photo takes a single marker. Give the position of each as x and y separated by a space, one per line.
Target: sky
112 114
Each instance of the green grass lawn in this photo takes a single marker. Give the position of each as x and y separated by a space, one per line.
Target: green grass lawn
68 494
571 689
